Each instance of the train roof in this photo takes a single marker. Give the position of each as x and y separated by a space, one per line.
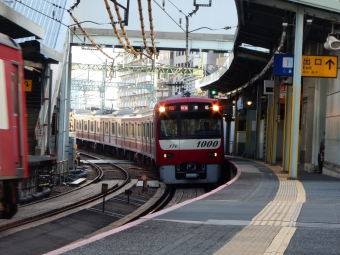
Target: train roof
140 112
82 111
8 41
186 97
123 112
104 112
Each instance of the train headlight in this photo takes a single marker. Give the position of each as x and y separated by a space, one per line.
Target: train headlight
168 155
216 107
162 109
212 154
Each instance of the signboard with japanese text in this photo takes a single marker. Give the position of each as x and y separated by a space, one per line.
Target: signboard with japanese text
311 66
28 85
319 66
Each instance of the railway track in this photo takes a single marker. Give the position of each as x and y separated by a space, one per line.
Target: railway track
118 178
67 201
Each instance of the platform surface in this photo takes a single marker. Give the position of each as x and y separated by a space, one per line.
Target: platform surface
259 212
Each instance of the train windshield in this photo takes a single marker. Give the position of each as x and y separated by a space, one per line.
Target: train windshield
190 125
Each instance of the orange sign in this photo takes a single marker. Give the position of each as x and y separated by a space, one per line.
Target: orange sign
28 85
319 66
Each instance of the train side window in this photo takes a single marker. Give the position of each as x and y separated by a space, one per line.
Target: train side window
147 131
106 128
85 125
132 130
119 131
139 130
98 127
80 125
127 130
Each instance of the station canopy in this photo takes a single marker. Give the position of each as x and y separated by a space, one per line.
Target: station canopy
260 28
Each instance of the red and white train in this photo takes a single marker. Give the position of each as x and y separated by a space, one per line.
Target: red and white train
13 130
182 137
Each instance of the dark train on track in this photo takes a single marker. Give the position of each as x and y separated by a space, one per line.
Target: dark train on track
13 131
182 137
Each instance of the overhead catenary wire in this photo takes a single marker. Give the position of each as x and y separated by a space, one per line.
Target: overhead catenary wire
128 50
140 9
88 37
134 52
169 16
152 34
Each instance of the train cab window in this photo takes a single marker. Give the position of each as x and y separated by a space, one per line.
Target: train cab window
167 125
106 128
113 128
200 124
132 130
92 126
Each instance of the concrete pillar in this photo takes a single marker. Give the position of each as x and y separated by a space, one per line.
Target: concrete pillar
236 129
275 106
287 129
269 129
296 95
250 133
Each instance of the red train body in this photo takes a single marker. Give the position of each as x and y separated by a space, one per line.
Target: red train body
174 138
13 130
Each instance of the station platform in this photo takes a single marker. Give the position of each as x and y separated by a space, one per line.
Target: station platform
260 211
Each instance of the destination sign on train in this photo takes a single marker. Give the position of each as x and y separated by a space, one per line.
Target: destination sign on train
319 66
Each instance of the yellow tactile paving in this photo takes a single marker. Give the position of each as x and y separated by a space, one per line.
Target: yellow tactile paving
272 229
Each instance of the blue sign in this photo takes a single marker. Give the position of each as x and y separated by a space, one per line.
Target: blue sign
283 64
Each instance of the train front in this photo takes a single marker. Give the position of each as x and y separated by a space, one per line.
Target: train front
189 140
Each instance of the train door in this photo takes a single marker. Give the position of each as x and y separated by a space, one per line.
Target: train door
15 84
143 137
149 136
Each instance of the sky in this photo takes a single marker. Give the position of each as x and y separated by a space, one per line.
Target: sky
222 13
